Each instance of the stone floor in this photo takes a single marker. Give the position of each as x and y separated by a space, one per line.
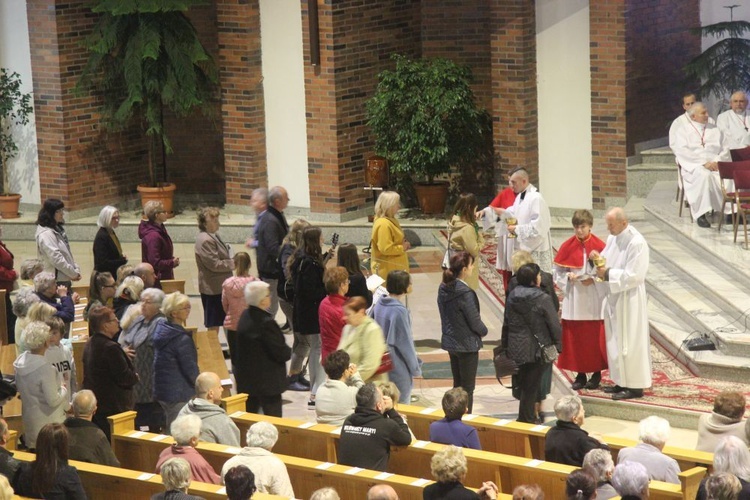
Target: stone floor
490 397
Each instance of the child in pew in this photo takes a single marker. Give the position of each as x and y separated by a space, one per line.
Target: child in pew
450 430
391 390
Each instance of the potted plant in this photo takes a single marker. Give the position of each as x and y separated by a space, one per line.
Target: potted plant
15 109
146 57
426 121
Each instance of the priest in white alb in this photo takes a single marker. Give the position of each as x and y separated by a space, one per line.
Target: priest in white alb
698 146
625 307
531 229
734 122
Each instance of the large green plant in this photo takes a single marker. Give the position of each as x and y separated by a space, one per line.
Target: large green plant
15 109
425 118
145 56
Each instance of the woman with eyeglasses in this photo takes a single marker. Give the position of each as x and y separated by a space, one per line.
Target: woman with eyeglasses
108 254
102 289
175 357
156 245
52 243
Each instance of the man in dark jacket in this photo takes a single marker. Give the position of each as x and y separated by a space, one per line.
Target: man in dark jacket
368 433
270 231
107 369
87 442
567 443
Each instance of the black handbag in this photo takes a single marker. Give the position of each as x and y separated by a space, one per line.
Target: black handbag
504 366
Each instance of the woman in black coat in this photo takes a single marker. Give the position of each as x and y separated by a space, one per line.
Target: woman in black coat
461 323
261 354
530 319
348 258
108 256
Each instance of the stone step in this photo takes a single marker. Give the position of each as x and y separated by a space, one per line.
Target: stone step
661 155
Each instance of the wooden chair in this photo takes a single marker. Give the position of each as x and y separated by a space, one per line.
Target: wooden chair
740 154
726 173
169 286
742 199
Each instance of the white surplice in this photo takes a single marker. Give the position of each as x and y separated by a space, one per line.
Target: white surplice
580 303
625 309
695 145
533 227
678 123
735 127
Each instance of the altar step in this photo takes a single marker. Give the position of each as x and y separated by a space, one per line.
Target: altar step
649 167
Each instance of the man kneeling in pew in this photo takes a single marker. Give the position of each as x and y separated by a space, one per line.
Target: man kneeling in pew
367 434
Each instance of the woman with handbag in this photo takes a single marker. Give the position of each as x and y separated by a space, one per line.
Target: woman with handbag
463 234
461 323
364 342
532 335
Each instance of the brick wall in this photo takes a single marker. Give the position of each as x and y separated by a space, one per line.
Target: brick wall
78 162
659 45
514 94
356 40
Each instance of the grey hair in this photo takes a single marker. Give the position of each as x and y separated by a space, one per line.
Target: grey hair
132 286
105 217
694 108
327 493
599 463
185 428
568 407
30 268
262 435
255 291
25 298
35 335
84 402
722 485
151 208
731 455
654 430
43 280
275 193
261 193
175 474
630 478
153 295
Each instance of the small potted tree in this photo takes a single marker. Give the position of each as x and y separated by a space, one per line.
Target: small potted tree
15 109
426 121
145 57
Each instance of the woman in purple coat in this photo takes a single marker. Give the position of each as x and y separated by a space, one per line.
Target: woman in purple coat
156 245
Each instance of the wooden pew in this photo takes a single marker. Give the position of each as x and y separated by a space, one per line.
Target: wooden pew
169 286
3 320
211 357
527 440
141 450
114 483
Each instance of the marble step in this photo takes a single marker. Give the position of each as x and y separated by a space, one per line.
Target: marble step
661 155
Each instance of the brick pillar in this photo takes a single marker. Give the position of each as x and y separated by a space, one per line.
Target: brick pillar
78 163
356 40
608 100
514 94
242 107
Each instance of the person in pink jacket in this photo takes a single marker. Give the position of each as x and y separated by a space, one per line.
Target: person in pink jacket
233 295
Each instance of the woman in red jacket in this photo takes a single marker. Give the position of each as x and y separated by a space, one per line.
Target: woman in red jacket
7 280
331 310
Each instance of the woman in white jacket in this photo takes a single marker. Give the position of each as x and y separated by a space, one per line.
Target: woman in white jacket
43 392
52 243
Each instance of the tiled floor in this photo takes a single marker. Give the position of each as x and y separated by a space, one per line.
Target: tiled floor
490 397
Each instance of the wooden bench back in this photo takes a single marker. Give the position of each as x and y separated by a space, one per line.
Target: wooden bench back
170 286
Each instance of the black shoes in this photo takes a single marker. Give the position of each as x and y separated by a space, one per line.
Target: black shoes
579 383
627 394
703 221
593 382
613 389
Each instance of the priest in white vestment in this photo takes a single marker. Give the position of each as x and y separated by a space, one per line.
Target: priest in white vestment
684 119
698 147
625 307
734 122
533 221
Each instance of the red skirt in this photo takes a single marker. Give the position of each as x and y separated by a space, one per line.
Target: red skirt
584 348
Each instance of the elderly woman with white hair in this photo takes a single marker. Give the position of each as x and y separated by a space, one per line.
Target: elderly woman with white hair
186 431
175 474
138 325
599 463
270 472
630 480
566 442
731 456
449 469
51 293
261 353
653 433
175 357
42 388
127 294
108 254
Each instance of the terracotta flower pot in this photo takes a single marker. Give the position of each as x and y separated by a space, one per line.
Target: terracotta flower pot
9 205
163 193
432 197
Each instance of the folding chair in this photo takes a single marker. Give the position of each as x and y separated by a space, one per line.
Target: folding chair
742 199
740 154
